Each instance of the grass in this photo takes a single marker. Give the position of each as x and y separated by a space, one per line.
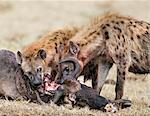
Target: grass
137 91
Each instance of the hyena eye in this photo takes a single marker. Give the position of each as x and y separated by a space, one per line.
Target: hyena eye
29 73
66 71
39 69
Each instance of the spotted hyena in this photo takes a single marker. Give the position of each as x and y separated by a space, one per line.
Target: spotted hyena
42 56
13 83
110 39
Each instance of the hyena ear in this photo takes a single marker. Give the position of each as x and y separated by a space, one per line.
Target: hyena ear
73 48
19 57
41 54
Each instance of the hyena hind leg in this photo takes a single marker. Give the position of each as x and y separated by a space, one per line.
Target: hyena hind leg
103 70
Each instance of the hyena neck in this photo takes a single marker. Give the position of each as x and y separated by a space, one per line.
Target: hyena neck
91 44
88 53
91 38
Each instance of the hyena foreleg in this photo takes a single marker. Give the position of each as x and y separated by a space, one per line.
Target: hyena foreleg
122 69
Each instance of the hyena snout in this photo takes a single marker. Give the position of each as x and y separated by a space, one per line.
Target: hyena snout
36 81
60 80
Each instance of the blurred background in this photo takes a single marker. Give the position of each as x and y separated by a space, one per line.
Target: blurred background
25 21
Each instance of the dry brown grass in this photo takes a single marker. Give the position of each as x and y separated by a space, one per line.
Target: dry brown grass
137 91
23 22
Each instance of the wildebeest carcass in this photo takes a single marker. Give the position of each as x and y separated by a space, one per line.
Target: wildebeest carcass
77 94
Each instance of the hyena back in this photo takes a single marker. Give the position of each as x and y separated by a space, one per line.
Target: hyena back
110 39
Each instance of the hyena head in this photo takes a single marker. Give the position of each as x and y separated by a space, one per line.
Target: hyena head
33 67
69 65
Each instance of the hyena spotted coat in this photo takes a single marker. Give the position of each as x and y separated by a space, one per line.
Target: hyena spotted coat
44 53
110 39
